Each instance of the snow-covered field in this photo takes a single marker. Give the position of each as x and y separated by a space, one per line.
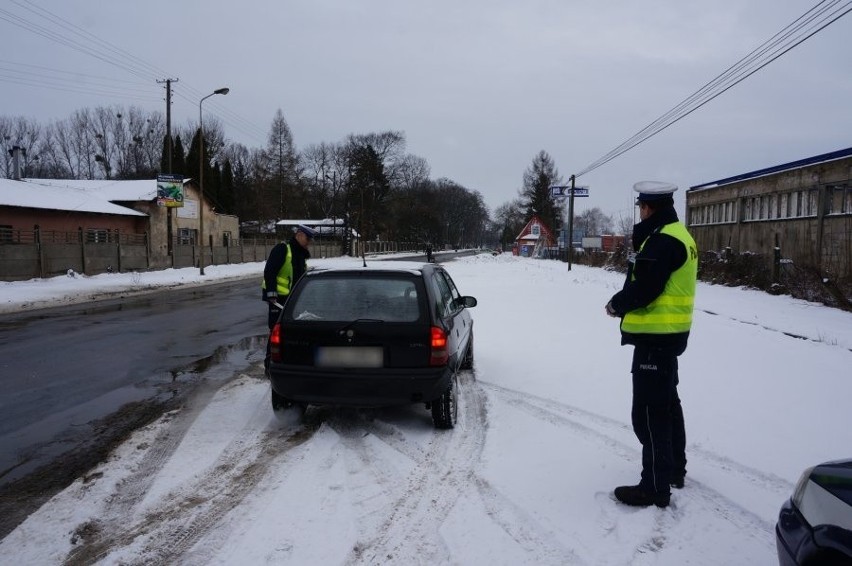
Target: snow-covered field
525 478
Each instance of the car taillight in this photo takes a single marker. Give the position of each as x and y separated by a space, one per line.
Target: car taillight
275 343
440 354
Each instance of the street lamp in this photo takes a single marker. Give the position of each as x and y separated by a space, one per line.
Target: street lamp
201 174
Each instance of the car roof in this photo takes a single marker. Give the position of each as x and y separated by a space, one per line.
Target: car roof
386 266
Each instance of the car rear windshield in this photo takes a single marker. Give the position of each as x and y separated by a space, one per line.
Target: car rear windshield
347 298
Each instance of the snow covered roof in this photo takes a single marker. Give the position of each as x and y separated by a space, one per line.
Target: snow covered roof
64 197
111 190
312 222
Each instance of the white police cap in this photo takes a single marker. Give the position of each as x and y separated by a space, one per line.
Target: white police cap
654 190
309 232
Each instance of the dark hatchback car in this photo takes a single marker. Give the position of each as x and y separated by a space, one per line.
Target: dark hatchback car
815 524
390 333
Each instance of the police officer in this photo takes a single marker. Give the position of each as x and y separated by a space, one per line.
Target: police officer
655 307
285 265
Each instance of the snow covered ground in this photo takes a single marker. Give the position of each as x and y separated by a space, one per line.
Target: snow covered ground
525 478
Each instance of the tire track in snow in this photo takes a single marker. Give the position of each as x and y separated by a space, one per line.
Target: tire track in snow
175 524
374 484
411 532
541 544
819 340
603 428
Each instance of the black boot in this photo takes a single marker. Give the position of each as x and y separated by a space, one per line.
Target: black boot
636 496
677 482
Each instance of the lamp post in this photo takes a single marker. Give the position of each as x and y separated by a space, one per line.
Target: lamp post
224 90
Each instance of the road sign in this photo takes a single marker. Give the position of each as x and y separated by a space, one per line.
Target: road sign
565 191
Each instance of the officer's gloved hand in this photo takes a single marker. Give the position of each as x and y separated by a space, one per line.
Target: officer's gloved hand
609 310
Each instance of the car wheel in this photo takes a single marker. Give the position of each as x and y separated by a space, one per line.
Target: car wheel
445 409
467 361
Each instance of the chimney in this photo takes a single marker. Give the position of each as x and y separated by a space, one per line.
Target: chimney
16 152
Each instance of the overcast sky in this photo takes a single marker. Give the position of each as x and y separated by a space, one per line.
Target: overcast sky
478 87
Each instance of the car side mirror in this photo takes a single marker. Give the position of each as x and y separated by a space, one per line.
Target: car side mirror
467 302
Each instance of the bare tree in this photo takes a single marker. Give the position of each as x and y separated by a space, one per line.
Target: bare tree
282 161
593 222
623 224
510 218
22 133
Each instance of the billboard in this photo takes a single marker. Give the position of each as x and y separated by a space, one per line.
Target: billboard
170 190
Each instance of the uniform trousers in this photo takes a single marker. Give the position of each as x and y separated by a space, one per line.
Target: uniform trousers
657 418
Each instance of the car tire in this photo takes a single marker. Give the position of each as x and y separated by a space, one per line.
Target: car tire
445 409
467 361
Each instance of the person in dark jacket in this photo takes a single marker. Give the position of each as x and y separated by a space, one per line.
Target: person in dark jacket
655 307
286 264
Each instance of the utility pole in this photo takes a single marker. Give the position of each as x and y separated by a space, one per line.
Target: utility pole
571 224
169 118
169 229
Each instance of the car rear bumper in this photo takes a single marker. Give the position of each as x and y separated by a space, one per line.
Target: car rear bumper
359 388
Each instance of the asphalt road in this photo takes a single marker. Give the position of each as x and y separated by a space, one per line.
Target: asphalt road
64 369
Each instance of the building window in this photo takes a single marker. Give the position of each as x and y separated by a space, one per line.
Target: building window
813 199
838 199
97 236
187 237
6 234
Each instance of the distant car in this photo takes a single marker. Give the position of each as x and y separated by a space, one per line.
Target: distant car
815 524
391 333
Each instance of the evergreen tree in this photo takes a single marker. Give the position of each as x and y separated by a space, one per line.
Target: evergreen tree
164 156
179 159
535 194
227 195
368 187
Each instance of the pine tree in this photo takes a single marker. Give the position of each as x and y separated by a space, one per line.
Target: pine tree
227 195
179 159
535 194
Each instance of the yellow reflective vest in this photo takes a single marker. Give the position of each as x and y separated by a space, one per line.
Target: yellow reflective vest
671 312
285 275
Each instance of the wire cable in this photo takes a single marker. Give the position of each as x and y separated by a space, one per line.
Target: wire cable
813 21
80 40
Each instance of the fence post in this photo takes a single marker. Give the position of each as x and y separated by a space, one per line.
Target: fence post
39 250
82 247
776 261
118 247
148 251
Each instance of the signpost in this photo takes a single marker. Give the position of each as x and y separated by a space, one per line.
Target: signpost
569 191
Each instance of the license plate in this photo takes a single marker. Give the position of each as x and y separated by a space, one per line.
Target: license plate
349 357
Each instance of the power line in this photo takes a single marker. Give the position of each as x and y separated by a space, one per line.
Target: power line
813 21
80 40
